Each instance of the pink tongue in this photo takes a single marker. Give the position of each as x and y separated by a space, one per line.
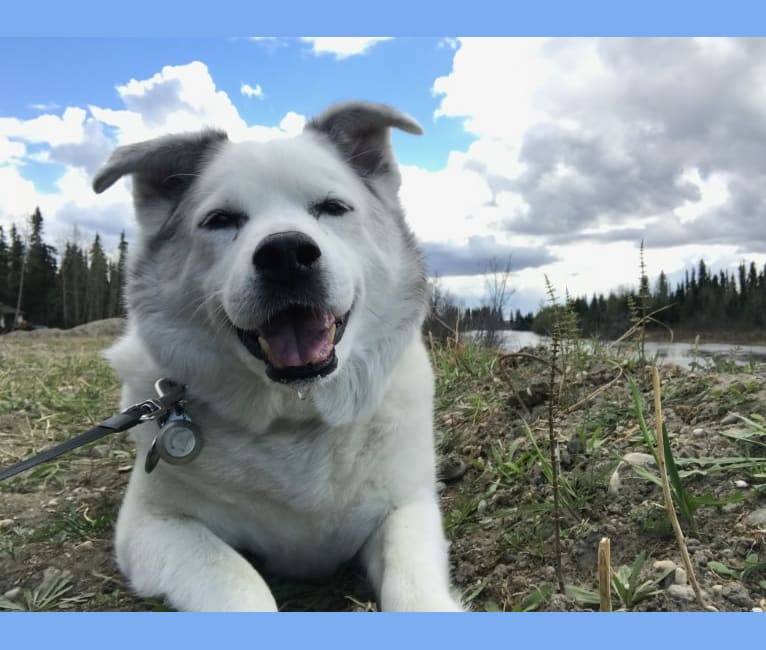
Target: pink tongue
298 340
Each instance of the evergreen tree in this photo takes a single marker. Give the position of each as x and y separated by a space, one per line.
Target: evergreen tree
16 265
97 283
40 279
5 256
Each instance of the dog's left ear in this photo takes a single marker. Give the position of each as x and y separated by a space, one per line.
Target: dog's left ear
361 132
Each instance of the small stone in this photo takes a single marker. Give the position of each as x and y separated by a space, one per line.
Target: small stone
737 594
482 506
741 485
85 546
716 589
124 469
680 576
6 523
52 503
698 431
731 418
451 469
757 518
639 458
681 592
12 593
100 451
664 565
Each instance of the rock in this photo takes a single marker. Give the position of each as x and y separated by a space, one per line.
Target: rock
680 576
757 518
6 523
698 431
664 565
737 594
12 593
716 589
85 546
100 451
482 506
731 418
558 603
681 592
639 458
451 469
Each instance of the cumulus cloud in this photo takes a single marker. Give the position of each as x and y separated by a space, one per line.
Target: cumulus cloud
342 47
597 131
183 98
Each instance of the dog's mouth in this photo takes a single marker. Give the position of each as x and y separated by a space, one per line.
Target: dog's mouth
297 343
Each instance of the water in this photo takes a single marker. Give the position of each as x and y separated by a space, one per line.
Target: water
682 354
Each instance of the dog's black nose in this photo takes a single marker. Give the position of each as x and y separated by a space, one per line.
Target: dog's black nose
284 254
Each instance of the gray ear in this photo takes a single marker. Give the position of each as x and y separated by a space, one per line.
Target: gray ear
162 168
360 131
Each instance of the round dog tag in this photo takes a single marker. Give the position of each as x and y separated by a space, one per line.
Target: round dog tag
179 441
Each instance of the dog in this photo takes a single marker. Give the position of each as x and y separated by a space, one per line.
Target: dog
279 283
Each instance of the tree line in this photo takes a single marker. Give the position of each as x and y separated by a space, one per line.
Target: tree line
77 286
704 302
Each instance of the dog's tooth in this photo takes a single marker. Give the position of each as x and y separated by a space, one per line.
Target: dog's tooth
264 344
331 333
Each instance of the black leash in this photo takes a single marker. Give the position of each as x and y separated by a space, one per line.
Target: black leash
169 395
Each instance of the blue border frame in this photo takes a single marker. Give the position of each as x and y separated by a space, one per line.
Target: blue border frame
391 17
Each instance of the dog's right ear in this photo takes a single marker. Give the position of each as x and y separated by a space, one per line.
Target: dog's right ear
162 168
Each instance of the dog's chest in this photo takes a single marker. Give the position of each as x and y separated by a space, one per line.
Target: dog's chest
303 500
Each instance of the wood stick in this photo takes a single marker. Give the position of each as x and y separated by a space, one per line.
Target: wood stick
605 574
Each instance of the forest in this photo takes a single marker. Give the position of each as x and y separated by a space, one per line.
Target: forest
58 288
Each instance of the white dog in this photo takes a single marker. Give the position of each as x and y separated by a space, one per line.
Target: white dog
280 284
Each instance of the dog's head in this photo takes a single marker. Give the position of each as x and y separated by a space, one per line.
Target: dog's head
290 259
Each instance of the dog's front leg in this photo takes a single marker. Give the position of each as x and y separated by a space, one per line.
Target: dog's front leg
180 559
406 559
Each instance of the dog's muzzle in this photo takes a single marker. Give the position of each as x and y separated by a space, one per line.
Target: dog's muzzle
297 343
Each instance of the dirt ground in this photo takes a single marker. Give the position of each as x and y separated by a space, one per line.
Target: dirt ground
56 521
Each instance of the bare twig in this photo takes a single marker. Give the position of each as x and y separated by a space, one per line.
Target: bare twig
605 574
596 392
667 495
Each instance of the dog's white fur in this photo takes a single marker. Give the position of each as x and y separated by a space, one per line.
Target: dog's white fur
347 472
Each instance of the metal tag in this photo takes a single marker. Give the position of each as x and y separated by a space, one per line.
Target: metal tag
178 442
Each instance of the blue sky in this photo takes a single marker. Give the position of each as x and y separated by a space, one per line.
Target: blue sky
560 154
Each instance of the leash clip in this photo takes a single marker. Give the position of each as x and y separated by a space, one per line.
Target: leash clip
169 393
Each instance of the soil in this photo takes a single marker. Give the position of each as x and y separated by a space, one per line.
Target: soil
56 522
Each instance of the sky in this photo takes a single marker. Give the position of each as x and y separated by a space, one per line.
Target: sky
558 155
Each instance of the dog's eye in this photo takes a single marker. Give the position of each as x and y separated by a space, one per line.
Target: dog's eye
331 207
220 219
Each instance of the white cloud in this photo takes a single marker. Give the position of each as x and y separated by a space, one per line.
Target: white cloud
181 98
251 91
48 128
342 47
